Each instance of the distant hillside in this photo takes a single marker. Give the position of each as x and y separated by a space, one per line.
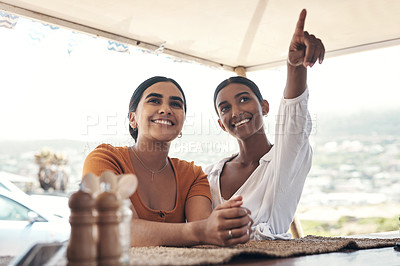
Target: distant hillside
363 123
14 148
325 125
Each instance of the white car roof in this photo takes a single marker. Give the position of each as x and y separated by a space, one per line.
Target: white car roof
26 200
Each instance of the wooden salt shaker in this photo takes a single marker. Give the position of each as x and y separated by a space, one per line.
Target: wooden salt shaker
82 244
109 249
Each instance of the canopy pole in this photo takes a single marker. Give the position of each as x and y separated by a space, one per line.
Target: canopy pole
296 229
240 71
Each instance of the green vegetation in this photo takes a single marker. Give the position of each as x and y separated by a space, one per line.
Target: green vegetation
349 225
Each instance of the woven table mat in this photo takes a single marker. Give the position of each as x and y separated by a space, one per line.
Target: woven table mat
200 255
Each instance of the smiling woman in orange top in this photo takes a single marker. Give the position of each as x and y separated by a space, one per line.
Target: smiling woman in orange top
173 200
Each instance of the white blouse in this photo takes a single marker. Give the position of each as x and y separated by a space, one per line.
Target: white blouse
273 190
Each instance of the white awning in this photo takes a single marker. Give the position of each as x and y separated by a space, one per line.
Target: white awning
254 34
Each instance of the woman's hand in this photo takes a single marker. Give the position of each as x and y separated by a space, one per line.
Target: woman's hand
227 217
305 49
228 224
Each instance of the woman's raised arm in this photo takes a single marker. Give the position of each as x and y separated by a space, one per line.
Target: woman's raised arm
304 51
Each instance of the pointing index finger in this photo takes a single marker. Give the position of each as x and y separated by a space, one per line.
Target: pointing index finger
301 22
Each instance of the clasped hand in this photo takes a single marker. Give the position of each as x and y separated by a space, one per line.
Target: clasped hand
229 224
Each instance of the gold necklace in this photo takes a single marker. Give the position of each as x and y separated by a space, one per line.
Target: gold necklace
144 166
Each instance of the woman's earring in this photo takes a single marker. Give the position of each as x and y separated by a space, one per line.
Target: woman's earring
134 126
180 135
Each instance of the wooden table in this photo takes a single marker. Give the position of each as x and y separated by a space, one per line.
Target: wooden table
378 256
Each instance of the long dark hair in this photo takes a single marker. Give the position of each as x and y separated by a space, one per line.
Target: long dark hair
241 80
137 95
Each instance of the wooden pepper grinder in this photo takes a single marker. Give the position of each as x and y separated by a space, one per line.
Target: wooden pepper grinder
82 244
109 249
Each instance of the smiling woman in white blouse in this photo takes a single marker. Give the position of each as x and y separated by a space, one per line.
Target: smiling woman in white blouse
269 177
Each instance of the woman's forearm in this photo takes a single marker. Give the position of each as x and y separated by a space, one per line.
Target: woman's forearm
149 233
229 224
296 81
